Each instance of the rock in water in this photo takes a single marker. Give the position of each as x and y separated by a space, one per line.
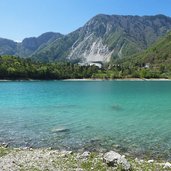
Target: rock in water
55 130
114 159
116 107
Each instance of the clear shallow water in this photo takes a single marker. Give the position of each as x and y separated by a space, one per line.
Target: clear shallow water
128 116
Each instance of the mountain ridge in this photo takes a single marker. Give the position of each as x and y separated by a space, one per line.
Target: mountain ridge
28 45
103 38
107 36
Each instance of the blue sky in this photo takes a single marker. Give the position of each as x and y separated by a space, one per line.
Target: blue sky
25 18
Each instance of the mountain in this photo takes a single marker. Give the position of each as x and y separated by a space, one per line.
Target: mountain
103 38
7 47
28 46
154 62
158 56
106 38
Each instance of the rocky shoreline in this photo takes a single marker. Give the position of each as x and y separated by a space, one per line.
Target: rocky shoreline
28 159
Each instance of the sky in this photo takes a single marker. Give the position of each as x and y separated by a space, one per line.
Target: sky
28 18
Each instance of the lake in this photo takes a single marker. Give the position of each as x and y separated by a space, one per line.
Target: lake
127 116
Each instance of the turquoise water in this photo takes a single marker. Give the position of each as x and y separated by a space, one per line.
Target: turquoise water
128 116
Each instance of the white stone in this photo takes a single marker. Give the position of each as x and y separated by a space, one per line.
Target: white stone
150 161
79 169
85 154
141 161
167 165
66 153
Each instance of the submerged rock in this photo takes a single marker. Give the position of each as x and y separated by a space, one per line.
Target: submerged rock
62 129
114 159
116 107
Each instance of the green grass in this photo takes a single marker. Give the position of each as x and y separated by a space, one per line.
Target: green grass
4 151
93 162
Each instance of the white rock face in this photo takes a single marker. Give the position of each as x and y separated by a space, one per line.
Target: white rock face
114 159
90 50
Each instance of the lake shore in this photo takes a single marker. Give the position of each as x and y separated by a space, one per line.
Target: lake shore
122 79
135 140
47 159
90 79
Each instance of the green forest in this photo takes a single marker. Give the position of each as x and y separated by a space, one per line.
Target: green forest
15 68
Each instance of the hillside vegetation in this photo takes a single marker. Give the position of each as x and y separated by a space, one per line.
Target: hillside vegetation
156 60
14 68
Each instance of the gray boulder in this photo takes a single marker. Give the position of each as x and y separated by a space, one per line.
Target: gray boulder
125 164
114 159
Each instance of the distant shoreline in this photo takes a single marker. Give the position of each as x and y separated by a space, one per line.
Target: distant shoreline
90 79
122 79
